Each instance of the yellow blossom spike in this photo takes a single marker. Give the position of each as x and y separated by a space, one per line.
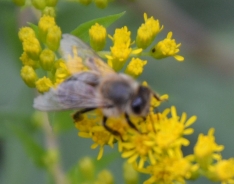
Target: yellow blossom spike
26 32
47 59
44 24
135 67
28 75
166 48
43 84
53 37
97 36
32 47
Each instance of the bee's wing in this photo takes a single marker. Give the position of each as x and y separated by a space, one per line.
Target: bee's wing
77 92
71 46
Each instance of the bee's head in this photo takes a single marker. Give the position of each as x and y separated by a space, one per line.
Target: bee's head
141 101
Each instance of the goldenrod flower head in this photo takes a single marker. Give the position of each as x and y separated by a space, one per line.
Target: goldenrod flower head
28 75
131 176
49 11
43 84
61 72
44 24
147 32
32 47
101 137
222 171
75 63
101 3
47 59
26 60
166 48
121 49
138 146
153 25
87 167
121 35
135 67
169 170
19 2
26 32
53 37
205 148
105 177
97 36
39 4
85 2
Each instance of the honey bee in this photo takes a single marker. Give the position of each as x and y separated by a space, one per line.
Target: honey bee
98 87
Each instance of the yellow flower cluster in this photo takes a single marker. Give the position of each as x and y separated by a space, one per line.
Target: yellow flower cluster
155 149
39 48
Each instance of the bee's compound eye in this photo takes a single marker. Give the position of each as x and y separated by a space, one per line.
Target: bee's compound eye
137 105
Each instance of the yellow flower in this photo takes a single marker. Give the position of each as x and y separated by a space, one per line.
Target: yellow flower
26 60
43 84
53 37
29 75
222 171
101 137
26 32
147 32
97 36
121 49
135 67
170 131
47 59
169 170
138 146
61 72
205 148
166 48
32 47
44 24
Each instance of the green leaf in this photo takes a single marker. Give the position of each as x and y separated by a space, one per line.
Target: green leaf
35 28
32 148
82 31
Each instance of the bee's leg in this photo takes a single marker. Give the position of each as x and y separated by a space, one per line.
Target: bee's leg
76 116
130 123
114 132
157 96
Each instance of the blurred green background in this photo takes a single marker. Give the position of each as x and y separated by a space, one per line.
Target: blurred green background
202 85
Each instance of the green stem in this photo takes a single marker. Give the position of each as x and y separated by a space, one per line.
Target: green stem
55 168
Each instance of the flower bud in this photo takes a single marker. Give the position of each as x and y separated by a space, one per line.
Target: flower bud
39 4
32 47
43 84
25 33
97 35
101 3
87 169
29 76
53 38
135 67
26 60
47 59
44 24
49 11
